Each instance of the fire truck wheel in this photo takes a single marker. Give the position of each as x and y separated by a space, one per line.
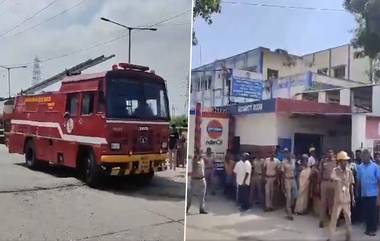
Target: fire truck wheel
92 173
30 155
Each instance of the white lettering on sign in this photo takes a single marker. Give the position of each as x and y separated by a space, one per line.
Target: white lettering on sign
249 108
144 128
214 142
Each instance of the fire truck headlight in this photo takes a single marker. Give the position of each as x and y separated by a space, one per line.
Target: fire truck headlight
164 145
115 146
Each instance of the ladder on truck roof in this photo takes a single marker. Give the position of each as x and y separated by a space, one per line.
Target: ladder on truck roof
72 71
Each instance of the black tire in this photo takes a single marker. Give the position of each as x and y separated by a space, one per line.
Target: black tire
30 155
91 170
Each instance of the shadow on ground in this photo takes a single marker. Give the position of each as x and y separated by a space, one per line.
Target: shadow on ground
159 188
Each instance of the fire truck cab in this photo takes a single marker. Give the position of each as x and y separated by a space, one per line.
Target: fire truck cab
112 123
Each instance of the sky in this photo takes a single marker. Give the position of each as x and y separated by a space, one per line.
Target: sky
167 51
239 28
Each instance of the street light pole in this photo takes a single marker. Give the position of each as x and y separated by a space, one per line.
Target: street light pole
129 33
9 75
129 44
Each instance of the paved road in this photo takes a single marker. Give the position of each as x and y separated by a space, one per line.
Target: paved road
53 205
225 222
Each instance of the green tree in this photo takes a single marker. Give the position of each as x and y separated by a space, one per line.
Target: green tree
179 121
205 9
367 34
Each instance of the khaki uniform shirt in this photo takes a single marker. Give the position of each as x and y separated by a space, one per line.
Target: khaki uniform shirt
198 168
326 168
271 167
258 166
229 167
343 179
288 167
209 161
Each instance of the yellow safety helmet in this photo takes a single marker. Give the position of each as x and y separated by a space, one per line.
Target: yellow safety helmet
342 156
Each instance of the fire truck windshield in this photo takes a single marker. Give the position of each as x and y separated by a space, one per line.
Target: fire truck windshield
136 99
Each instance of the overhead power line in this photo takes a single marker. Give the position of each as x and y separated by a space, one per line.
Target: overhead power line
103 43
46 20
169 18
255 4
29 18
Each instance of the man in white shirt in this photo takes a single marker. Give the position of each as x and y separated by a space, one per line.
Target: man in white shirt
312 158
243 170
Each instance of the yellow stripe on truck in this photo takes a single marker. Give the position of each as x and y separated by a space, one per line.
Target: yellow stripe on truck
132 158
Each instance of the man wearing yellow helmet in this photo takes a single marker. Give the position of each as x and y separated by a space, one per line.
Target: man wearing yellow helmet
343 194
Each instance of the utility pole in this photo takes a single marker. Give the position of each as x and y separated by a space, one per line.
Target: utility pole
129 33
9 75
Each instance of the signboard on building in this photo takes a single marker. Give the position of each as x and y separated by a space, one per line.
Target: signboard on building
214 134
247 88
264 106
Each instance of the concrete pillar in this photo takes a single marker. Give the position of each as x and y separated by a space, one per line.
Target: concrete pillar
376 99
358 131
322 97
345 97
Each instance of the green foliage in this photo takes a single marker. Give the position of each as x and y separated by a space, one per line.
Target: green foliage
205 9
367 34
179 121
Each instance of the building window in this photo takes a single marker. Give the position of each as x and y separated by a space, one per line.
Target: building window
272 74
340 72
359 55
251 68
323 71
209 83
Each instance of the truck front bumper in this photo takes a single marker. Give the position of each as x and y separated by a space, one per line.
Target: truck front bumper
120 165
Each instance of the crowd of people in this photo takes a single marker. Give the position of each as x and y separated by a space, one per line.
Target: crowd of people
337 186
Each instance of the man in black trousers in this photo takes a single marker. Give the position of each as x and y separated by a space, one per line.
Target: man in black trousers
369 180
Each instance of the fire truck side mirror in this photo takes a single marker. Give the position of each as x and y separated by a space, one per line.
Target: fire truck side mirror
66 115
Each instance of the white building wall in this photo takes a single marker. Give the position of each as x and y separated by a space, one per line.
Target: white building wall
359 67
345 97
339 56
278 62
376 100
257 129
322 97
358 137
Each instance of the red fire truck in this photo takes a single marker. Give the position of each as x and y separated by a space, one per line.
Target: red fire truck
112 123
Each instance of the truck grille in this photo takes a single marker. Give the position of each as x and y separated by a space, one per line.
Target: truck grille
143 141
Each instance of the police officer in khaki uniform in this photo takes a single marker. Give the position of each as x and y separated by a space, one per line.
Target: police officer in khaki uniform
327 186
257 181
198 183
270 170
288 167
209 172
343 181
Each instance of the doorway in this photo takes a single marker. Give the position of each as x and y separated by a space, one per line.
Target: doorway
302 143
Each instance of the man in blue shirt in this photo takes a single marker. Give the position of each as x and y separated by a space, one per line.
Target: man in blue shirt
369 179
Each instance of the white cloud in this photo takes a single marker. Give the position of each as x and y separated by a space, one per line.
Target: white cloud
166 51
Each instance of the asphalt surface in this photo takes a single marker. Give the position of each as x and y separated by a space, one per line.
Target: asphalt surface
52 204
225 222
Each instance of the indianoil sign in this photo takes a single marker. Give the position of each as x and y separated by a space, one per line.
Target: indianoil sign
214 134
